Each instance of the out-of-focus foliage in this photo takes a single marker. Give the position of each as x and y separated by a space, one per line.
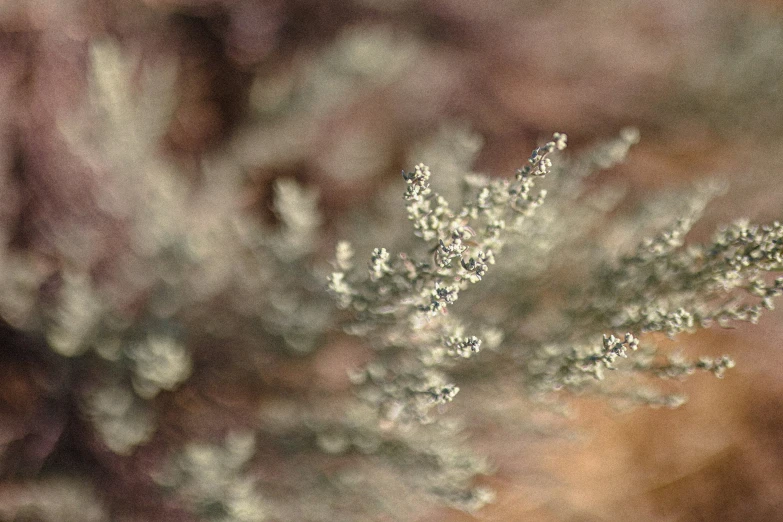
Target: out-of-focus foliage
221 302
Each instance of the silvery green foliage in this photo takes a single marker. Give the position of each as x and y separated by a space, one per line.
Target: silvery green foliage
560 296
213 480
508 293
422 461
522 289
190 263
402 304
288 112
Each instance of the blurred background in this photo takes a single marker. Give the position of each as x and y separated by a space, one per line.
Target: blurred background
338 94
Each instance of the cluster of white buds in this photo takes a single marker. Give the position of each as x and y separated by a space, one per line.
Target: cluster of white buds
463 346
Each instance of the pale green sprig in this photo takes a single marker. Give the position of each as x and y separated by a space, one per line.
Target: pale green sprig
594 360
666 286
400 304
463 347
678 367
379 264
